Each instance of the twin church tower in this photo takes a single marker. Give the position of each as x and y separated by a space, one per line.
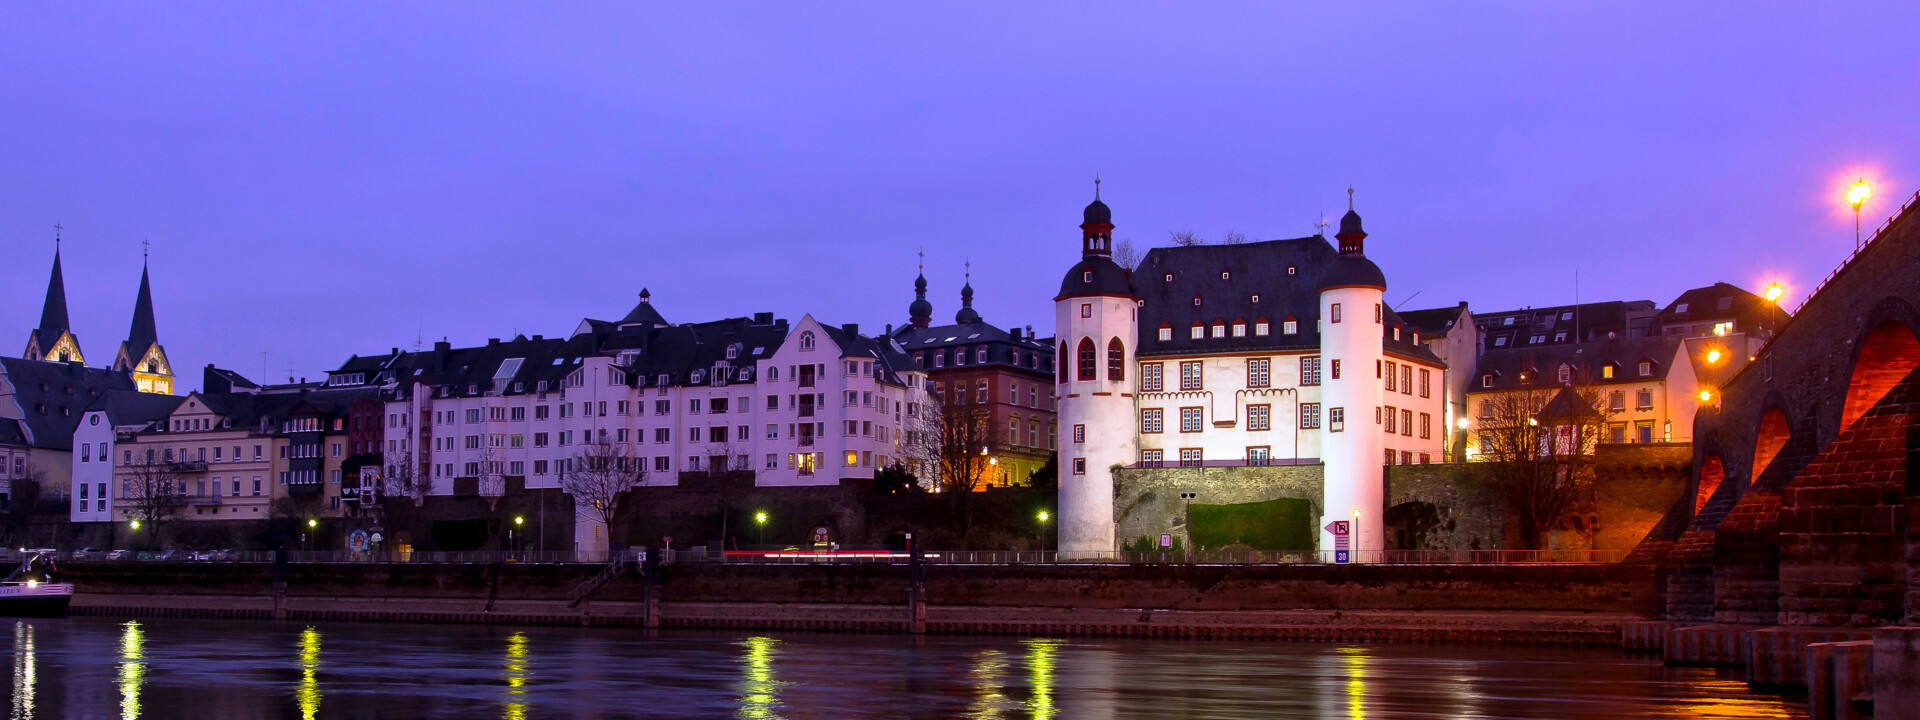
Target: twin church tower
1237 355
140 355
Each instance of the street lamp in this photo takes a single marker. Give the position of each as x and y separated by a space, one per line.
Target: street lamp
512 543
760 519
1857 196
1774 292
308 536
1713 356
1043 530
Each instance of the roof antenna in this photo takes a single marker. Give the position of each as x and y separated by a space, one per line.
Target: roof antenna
1320 228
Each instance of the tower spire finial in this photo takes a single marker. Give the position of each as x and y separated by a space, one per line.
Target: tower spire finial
145 245
1096 186
1349 197
56 235
923 259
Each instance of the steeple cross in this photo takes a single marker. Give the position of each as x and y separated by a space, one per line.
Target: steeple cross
145 245
56 234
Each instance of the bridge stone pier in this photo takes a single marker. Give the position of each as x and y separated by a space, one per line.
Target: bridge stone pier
1796 529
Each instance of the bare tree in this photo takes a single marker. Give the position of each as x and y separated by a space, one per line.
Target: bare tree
1233 238
1185 238
1125 255
598 477
405 478
953 442
493 472
1539 444
153 491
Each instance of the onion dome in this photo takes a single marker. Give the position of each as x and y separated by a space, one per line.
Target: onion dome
920 312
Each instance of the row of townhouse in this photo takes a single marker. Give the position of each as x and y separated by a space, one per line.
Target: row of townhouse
233 451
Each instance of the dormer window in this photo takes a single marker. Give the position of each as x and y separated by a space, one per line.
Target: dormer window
1289 327
980 355
1261 328
1225 275
1500 341
1239 328
1682 307
1606 371
1196 301
1292 270
1086 276
1568 315
1506 321
733 351
1166 332
1199 330
1486 381
1396 333
1219 329
1169 277
1646 368
1560 337
1256 298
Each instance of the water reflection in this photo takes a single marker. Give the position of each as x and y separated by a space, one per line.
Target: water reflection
133 668
1040 669
1355 662
989 666
759 692
515 707
308 694
25 666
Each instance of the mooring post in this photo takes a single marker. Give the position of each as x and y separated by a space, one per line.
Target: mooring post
916 592
280 583
650 575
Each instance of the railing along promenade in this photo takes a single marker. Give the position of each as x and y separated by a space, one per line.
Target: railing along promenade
874 556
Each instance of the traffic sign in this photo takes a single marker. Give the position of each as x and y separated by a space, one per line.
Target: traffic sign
1341 557
1337 527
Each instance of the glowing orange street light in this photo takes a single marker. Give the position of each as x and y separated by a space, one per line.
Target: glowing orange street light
1774 292
1856 197
1713 356
1706 395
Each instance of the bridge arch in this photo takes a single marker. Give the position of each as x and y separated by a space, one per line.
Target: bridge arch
1712 472
1770 435
1885 352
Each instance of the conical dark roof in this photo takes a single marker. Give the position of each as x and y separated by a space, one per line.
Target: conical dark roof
643 313
53 315
1350 223
1097 213
142 334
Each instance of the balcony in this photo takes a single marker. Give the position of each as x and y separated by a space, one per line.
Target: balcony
203 499
190 466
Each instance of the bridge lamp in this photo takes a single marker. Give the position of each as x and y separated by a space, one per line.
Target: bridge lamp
1856 197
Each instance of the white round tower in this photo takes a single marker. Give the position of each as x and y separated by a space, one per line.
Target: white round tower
1352 446
1096 321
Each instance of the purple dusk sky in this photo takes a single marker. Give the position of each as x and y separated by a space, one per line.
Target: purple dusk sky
319 181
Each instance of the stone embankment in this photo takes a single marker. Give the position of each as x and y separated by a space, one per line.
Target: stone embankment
1558 604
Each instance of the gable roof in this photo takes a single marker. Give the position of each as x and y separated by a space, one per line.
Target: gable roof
131 407
1585 360
53 314
50 397
1169 279
1433 322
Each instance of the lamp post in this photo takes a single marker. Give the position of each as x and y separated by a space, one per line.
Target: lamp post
1043 530
512 533
312 529
1857 196
1774 292
760 519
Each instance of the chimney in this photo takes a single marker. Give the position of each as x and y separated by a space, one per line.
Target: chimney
538 338
492 342
1015 333
212 381
440 352
889 329
1030 334
851 329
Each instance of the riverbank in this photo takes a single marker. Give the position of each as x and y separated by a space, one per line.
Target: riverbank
1523 604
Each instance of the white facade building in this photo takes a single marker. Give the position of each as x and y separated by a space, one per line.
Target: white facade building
808 405
1267 353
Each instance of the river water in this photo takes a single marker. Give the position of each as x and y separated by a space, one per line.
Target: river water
221 670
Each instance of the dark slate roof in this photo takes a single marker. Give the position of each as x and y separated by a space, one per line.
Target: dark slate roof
131 407
1595 321
142 335
1717 302
1567 404
1108 278
228 378
643 313
944 339
1350 223
52 396
11 433
53 315
1542 364
1352 271
1434 322
892 357
1097 213
1169 278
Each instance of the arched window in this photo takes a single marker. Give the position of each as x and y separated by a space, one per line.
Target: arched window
1116 361
806 340
1088 371
980 355
1013 430
1062 357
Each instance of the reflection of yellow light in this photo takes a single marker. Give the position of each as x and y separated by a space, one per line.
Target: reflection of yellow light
1859 193
1774 292
25 666
1713 356
758 694
133 669
308 694
986 678
1356 663
1533 421
1040 667
33 583
516 706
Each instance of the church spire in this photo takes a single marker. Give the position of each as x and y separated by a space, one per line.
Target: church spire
54 341
967 314
920 312
142 354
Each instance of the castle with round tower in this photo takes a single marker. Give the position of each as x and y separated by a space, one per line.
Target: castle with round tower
1270 354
